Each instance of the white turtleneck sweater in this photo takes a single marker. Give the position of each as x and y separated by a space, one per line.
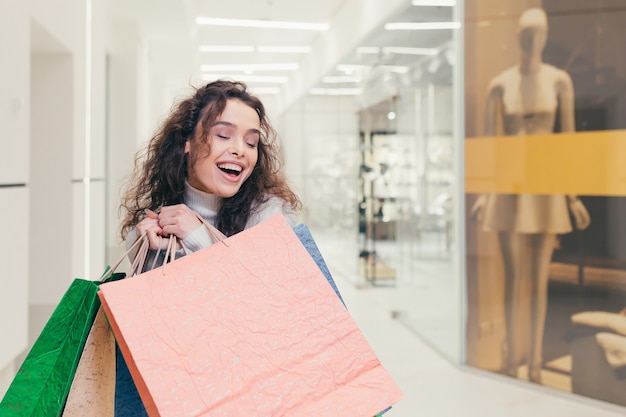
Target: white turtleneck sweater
207 206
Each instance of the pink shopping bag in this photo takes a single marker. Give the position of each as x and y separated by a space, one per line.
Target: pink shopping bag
245 327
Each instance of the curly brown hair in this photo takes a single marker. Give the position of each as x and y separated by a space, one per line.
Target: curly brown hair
161 167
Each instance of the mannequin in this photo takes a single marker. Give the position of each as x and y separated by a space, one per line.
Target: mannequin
528 98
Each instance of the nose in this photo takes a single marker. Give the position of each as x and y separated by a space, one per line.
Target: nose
237 147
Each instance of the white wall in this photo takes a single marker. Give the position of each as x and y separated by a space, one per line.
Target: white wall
123 120
51 157
43 168
14 171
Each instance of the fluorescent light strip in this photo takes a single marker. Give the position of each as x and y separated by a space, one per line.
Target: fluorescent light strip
368 50
225 48
422 25
267 24
249 67
341 79
349 69
250 48
396 68
335 91
443 3
284 49
272 79
400 50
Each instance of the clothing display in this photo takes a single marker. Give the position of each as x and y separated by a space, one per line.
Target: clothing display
527 213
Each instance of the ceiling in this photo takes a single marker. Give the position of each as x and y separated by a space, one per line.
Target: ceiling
169 31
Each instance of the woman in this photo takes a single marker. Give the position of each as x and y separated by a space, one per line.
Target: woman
215 155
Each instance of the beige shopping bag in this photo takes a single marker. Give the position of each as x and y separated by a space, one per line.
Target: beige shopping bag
93 388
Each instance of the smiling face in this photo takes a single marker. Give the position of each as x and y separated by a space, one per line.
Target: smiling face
232 151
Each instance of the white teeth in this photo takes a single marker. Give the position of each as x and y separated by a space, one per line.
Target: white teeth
230 167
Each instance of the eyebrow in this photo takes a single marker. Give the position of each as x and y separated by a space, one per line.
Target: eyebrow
229 124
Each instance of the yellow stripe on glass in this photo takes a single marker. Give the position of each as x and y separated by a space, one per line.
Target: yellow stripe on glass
583 163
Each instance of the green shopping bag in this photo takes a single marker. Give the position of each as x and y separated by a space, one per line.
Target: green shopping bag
41 385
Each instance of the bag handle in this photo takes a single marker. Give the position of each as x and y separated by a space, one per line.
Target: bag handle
142 253
214 233
140 257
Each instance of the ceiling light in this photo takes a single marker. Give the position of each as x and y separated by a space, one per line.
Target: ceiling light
396 68
400 50
368 50
267 24
225 48
443 3
250 48
284 49
335 91
350 69
422 25
341 79
249 67
272 79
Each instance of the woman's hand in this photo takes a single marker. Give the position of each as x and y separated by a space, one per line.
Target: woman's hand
178 220
149 226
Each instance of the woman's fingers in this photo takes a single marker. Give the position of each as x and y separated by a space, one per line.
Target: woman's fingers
157 241
150 227
151 214
178 220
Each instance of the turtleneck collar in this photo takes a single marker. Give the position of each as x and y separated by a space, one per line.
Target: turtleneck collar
205 204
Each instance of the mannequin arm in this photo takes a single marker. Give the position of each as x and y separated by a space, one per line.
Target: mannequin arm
565 89
582 220
492 109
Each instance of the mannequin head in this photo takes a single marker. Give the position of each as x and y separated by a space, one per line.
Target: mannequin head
533 31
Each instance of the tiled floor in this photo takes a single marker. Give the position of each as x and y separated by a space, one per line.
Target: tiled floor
432 385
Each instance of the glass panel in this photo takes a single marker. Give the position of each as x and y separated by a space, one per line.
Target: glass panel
546 239
428 299
410 154
395 171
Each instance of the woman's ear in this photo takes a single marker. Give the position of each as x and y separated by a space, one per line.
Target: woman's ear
187 146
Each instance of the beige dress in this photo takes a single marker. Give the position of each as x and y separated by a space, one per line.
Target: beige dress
527 213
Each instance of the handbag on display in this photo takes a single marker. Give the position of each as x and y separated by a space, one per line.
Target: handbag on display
246 326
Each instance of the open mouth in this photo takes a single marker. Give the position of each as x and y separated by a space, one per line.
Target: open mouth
230 169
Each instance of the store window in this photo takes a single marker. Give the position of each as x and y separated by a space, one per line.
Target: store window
546 235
